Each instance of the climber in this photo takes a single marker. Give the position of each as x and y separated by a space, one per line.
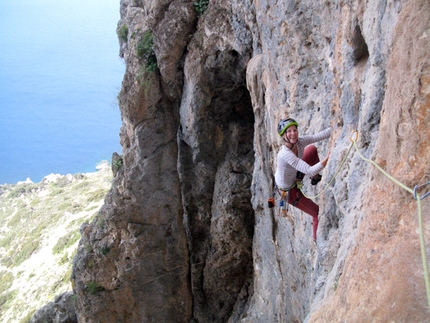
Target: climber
296 158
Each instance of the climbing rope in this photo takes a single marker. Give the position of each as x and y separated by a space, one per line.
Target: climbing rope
416 196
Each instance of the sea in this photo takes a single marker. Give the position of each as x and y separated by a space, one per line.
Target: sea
60 75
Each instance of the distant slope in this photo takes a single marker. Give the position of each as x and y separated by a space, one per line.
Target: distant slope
39 233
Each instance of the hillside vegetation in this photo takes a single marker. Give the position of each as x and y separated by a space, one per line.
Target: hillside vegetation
39 233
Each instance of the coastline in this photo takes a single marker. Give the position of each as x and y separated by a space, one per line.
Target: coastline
52 177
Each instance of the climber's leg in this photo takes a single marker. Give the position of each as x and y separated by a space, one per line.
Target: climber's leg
301 202
310 155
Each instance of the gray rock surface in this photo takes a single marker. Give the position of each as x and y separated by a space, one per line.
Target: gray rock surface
61 310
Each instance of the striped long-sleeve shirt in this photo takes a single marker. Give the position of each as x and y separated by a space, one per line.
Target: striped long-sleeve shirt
289 163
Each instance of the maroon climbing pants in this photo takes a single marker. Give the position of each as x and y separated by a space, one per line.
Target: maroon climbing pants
301 202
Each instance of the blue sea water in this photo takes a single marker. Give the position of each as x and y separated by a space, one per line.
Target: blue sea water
60 75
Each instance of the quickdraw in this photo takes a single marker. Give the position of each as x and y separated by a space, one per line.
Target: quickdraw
418 186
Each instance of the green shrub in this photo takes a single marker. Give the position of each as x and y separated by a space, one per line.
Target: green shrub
144 78
122 32
96 195
6 241
76 208
17 191
65 206
27 249
6 261
35 202
117 163
55 191
21 246
61 182
100 222
145 46
28 317
6 300
55 286
94 287
6 279
105 251
36 233
65 242
200 7
145 50
64 259
151 64
16 219
67 276
82 185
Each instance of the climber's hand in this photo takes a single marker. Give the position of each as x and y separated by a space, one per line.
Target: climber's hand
325 160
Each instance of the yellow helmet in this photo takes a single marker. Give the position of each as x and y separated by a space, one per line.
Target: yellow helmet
284 124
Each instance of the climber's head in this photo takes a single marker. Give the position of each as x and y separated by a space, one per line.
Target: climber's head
284 124
287 129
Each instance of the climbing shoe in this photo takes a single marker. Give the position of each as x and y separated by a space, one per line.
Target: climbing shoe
316 179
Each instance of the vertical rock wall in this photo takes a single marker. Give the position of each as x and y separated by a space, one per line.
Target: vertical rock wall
349 65
185 234
178 222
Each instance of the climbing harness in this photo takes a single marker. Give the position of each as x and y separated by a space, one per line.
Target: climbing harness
283 196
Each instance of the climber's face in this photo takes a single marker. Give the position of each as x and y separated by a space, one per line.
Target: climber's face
291 135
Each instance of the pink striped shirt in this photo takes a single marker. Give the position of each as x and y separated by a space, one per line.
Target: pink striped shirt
289 163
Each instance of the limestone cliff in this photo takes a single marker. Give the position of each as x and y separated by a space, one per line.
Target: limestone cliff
185 234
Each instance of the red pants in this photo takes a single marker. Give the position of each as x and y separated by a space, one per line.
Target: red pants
301 202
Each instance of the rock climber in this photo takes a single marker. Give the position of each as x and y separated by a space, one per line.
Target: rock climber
296 158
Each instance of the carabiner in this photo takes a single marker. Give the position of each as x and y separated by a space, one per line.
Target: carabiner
418 186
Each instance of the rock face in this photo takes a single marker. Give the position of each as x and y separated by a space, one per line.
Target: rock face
62 310
185 234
